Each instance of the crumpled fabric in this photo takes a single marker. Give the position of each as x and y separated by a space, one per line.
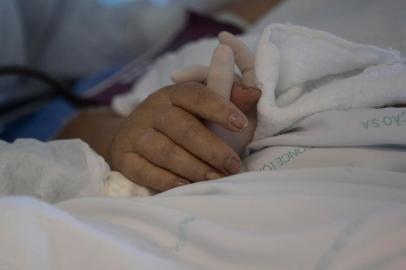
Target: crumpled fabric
303 71
328 218
53 171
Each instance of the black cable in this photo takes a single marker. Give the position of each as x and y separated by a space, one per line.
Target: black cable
57 87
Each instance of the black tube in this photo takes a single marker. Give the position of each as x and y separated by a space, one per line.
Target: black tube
59 88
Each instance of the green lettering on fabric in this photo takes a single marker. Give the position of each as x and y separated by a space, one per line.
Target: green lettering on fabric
386 121
283 159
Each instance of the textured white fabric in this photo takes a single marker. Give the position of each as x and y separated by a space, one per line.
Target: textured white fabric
117 185
314 71
342 218
53 171
375 22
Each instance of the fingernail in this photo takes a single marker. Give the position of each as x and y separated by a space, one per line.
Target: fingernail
238 120
212 175
232 165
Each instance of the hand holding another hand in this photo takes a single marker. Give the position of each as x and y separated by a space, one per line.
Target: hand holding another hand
164 144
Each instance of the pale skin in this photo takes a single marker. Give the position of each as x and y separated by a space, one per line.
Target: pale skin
220 77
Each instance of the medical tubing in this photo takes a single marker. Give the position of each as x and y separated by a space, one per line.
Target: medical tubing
58 87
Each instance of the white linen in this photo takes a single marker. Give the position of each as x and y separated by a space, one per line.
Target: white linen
313 71
368 138
53 171
335 218
374 22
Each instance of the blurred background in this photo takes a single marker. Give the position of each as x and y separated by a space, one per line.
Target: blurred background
54 51
50 47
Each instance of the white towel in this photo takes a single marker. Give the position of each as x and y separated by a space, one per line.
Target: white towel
302 72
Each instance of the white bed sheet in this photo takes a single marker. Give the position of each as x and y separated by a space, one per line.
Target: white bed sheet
331 218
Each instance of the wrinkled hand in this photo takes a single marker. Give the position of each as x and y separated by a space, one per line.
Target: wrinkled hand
164 144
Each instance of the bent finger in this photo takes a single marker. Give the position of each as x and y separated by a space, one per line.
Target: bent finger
196 74
193 73
221 71
164 153
185 130
201 101
244 58
141 171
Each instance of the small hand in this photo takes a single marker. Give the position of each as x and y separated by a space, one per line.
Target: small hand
163 144
220 77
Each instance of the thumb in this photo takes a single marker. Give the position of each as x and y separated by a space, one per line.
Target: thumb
245 98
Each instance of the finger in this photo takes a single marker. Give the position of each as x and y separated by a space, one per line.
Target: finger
245 98
244 58
141 171
193 73
185 130
164 153
221 71
196 74
199 100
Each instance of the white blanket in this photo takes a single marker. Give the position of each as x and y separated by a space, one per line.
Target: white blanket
336 218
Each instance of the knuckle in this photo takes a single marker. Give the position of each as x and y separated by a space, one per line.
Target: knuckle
188 131
168 152
164 181
149 179
191 92
166 116
202 98
145 139
218 155
130 168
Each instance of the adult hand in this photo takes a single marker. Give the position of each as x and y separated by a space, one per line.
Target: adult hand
164 144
